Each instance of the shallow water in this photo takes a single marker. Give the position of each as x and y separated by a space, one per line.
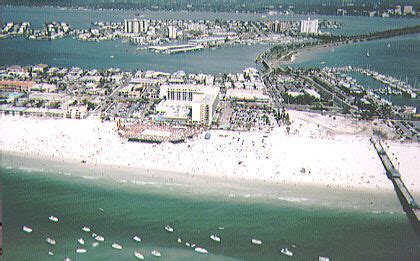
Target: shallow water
119 212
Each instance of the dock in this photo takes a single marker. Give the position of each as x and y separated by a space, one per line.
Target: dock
409 204
171 49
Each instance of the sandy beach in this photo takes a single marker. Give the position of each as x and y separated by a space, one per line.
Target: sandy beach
320 151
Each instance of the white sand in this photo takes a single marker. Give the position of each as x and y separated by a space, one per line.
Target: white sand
334 153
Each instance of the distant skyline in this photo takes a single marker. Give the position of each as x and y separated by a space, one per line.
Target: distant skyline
220 5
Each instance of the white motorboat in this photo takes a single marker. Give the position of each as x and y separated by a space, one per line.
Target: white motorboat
137 239
256 241
117 246
286 252
85 229
201 250
53 219
169 228
67 259
221 228
187 244
100 238
50 253
179 240
81 241
81 250
94 235
50 241
27 229
192 245
95 244
156 253
323 258
215 238
138 255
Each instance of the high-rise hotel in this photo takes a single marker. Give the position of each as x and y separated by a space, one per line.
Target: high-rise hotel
135 26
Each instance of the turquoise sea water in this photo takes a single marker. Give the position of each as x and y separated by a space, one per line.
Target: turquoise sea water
30 197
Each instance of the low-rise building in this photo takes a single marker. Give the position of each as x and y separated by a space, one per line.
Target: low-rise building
247 95
17 86
76 112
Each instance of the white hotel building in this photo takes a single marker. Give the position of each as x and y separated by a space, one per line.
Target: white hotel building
202 100
309 26
135 26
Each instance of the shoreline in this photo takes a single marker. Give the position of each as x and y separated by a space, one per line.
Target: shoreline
169 184
294 54
329 155
321 153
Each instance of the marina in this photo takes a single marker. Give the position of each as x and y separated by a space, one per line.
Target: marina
394 86
172 49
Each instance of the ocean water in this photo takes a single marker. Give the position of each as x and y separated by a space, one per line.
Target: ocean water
120 211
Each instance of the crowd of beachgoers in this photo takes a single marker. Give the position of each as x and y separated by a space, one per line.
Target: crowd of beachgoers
332 152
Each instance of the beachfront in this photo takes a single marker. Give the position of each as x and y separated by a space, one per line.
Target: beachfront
319 150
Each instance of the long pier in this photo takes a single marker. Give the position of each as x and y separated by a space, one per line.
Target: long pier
409 204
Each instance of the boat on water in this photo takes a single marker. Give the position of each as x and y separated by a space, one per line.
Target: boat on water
221 228
169 228
156 253
95 244
50 253
323 258
53 219
81 241
215 238
50 241
117 246
187 244
85 229
179 240
286 252
100 238
138 255
256 241
137 239
67 259
201 250
81 250
389 45
111 56
367 54
192 245
27 229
